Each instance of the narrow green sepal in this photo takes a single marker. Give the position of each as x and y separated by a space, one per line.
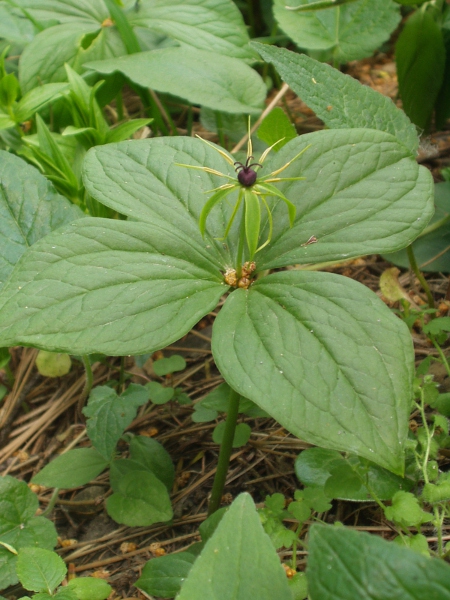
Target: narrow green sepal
209 205
273 191
252 221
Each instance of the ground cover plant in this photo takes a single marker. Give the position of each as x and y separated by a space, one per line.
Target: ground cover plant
166 229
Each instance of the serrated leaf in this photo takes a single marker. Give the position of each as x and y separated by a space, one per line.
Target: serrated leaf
139 501
362 192
18 504
432 248
316 351
420 44
352 565
215 26
154 457
110 286
30 208
352 31
89 588
339 100
75 467
53 364
164 576
110 414
223 83
40 570
225 569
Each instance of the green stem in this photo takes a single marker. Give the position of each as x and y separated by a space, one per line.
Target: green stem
225 453
51 504
420 277
441 354
88 383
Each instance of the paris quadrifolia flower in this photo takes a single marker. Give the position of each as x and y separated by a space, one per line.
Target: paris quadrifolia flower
253 191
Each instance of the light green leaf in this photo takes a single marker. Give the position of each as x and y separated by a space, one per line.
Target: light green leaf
5 121
352 565
65 11
432 248
109 415
75 467
139 499
340 100
406 511
116 287
29 209
158 393
37 98
238 561
420 44
163 576
64 593
329 470
216 25
317 352
40 570
172 364
126 130
217 82
241 435
352 31
53 364
14 27
89 588
43 60
276 127
363 193
151 454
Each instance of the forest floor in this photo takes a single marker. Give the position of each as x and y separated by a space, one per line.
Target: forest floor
39 419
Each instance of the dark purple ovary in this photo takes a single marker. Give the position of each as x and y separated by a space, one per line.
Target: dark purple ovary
247 176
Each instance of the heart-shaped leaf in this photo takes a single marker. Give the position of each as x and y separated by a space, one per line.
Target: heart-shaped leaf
325 357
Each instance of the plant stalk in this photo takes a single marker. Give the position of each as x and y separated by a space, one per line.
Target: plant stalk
88 384
420 277
225 453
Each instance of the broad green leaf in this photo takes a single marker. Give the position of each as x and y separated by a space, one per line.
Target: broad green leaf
276 127
139 499
158 393
109 415
420 45
143 180
339 100
363 193
18 527
89 588
151 454
64 593
74 43
216 26
66 11
29 209
37 98
432 247
164 366
317 352
163 576
53 364
352 565
328 469
75 467
14 27
109 286
217 82
238 561
40 570
241 435
352 31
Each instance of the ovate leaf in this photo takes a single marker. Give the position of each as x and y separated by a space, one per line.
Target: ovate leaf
151 454
317 352
238 561
217 82
339 100
352 30
139 499
29 209
363 191
75 467
40 570
108 286
352 565
276 127
163 576
89 588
